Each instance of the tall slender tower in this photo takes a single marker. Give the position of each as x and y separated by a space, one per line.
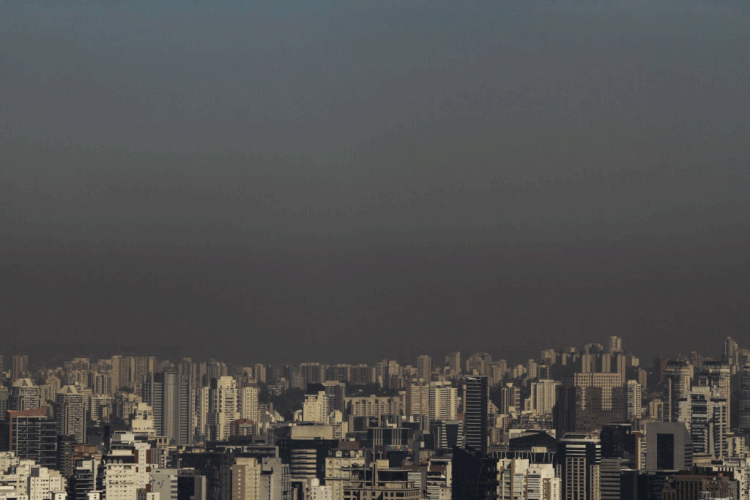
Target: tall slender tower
744 422
678 376
633 401
19 367
453 360
70 413
717 374
170 395
222 409
424 368
476 398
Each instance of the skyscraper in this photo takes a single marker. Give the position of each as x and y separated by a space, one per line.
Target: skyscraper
24 395
336 392
33 435
19 367
510 397
417 398
579 457
543 396
443 401
668 446
744 409
424 368
475 476
633 401
614 345
705 414
587 401
717 374
678 376
248 404
476 396
453 360
170 395
70 413
222 409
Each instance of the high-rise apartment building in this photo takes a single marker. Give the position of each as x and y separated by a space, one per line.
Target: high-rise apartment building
453 360
70 413
170 395
246 479
248 404
443 401
587 401
717 374
476 400
730 351
315 408
474 475
543 396
312 373
424 368
20 367
417 398
521 480
510 398
705 414
336 392
479 364
24 395
33 435
678 376
222 409
744 400
614 345
579 458
633 401
260 373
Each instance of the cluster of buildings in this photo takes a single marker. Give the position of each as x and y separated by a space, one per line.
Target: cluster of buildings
587 423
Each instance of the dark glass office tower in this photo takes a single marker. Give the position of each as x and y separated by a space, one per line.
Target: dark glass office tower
476 399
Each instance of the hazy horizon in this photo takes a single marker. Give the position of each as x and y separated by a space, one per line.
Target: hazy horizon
315 181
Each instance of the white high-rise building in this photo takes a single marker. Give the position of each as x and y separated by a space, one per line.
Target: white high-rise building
315 408
120 481
520 480
417 399
222 407
70 413
443 401
373 406
614 345
202 403
246 479
248 405
339 470
678 376
43 482
543 396
633 401
717 374
705 414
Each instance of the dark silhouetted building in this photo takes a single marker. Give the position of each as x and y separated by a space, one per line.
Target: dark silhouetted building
33 435
476 399
579 459
474 475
